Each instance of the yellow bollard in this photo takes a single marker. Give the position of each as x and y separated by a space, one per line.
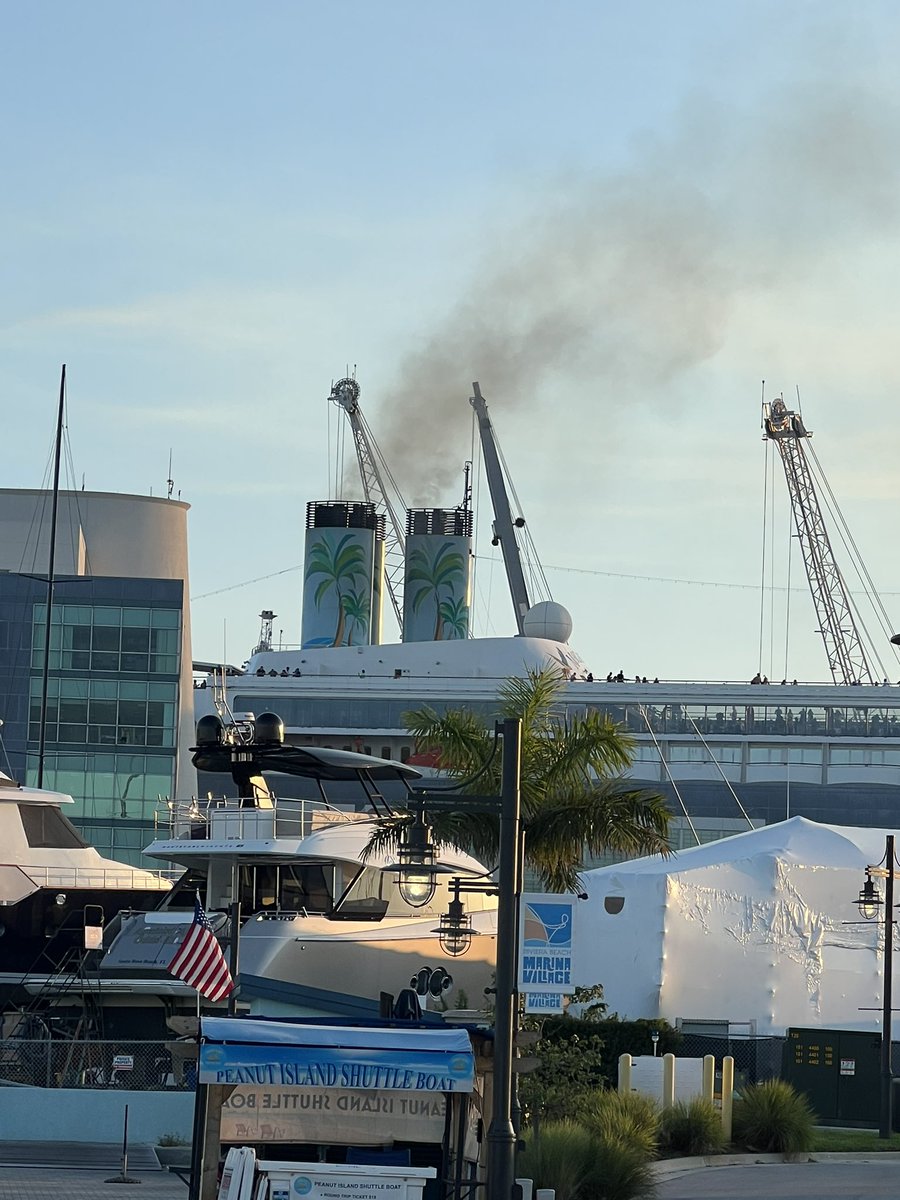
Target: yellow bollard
709 1077
624 1074
727 1095
668 1088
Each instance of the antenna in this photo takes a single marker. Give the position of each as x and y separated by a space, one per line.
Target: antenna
170 482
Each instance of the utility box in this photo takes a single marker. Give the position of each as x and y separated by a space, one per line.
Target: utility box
839 1070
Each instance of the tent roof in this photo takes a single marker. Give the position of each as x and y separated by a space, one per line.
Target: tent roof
797 840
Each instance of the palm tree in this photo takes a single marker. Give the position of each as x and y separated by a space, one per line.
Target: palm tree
357 609
454 614
574 799
426 576
340 564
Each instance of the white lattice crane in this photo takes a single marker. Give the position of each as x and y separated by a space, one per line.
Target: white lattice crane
379 488
847 658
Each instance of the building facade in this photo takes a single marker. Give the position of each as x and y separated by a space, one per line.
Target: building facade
119 705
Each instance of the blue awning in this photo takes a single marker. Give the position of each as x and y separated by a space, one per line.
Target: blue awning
288 1054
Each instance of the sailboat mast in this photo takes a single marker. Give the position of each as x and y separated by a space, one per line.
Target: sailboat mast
51 568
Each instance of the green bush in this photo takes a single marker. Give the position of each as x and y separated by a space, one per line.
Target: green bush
172 1139
771 1117
619 1172
626 1118
691 1127
569 1073
581 1165
561 1157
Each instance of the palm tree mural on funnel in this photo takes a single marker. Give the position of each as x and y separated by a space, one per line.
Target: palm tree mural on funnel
340 564
357 610
426 577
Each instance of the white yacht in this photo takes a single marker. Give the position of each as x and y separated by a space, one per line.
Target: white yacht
53 885
324 927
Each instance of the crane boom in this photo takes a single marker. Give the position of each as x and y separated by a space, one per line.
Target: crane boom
379 489
846 657
504 526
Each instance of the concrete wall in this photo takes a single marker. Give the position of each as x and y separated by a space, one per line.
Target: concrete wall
85 1115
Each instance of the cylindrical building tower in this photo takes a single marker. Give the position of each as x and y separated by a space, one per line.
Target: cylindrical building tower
437 579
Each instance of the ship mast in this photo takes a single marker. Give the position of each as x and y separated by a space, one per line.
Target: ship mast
51 568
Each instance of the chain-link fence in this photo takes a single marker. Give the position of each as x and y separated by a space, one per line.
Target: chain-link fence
755 1058
76 1063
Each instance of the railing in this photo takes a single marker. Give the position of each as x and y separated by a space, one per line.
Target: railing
80 1063
228 817
108 878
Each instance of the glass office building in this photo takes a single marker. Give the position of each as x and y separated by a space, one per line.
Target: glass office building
119 704
111 719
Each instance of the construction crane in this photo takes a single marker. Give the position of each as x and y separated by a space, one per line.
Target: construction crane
379 488
504 525
847 658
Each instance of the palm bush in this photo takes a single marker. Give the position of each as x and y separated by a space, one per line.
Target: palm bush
580 1165
625 1118
771 1117
691 1127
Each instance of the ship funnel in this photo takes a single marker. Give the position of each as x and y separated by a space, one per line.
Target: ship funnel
437 577
342 585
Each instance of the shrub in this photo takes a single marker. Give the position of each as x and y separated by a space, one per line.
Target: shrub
581 1165
561 1157
569 1073
626 1118
619 1172
172 1139
771 1117
692 1127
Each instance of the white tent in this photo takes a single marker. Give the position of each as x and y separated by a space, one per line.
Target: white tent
759 927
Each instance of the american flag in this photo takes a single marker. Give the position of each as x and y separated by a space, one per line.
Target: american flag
199 960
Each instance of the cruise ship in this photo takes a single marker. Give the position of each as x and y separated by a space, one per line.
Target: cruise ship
729 756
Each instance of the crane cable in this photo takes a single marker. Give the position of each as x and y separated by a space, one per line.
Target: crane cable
665 767
718 767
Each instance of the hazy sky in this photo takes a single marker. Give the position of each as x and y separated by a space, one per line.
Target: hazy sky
619 219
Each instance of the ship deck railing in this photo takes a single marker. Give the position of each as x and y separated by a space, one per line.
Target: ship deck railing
227 817
121 878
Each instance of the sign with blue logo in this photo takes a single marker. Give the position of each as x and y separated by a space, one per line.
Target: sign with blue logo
545 1002
545 943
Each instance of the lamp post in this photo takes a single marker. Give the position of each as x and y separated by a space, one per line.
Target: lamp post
869 902
455 933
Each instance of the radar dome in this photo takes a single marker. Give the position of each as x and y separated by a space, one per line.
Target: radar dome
548 620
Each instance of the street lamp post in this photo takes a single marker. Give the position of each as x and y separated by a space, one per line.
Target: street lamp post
869 903
455 934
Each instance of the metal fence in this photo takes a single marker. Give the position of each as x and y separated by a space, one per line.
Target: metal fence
77 1063
755 1058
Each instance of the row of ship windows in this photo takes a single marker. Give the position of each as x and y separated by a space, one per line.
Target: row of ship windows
708 719
874 756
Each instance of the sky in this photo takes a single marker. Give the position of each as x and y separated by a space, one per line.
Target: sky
620 220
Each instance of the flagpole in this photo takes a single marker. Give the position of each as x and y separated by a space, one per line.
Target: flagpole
234 938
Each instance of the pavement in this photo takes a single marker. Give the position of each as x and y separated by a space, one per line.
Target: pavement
83 1171
868 1179
74 1171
